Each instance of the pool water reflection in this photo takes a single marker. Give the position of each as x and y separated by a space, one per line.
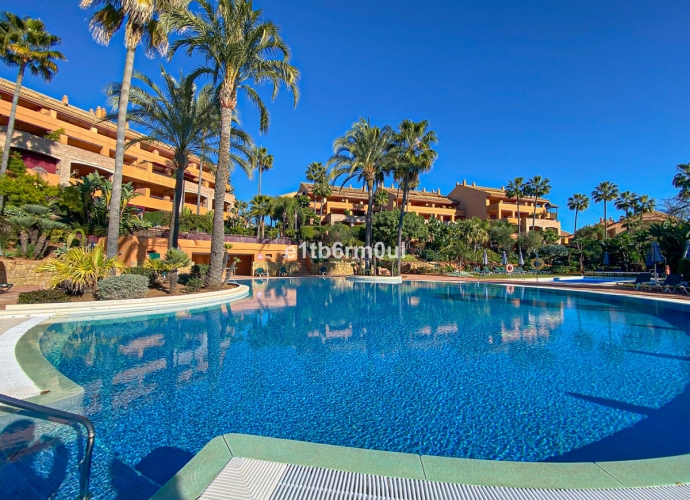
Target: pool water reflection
460 370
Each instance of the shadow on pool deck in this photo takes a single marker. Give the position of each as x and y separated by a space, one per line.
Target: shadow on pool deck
662 433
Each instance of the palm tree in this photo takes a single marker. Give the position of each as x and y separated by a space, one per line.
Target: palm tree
241 50
537 187
175 259
643 204
176 114
517 189
380 199
318 175
682 180
578 203
25 43
606 191
412 145
625 202
260 206
261 161
364 153
143 21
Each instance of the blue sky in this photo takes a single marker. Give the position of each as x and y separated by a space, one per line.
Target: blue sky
576 91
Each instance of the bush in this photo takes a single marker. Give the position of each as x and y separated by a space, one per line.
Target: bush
43 297
125 286
194 285
684 268
199 270
157 219
143 271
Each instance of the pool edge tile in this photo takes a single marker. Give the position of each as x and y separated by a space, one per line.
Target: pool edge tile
664 471
191 481
518 474
383 463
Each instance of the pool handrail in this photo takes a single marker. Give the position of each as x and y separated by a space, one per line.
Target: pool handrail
85 463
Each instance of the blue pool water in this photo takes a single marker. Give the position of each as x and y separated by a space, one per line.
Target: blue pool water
459 370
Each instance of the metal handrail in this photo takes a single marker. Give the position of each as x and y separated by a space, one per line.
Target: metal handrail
85 463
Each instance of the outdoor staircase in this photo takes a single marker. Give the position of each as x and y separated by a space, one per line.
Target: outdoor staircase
300 268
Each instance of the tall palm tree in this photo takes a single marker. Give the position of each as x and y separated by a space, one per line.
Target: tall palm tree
25 44
143 23
537 187
260 206
176 115
606 191
578 203
363 153
414 155
261 161
241 50
625 202
682 180
517 189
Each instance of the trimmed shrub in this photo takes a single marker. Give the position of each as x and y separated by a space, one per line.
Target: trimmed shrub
194 285
684 268
125 286
52 296
199 270
143 271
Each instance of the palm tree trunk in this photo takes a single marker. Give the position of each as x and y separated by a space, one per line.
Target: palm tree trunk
24 242
606 223
10 127
116 195
401 221
201 172
534 216
40 246
259 179
575 226
214 278
172 280
369 220
173 239
518 214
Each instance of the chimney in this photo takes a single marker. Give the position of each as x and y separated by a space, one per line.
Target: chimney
457 183
91 111
474 184
464 182
503 188
65 100
439 191
424 190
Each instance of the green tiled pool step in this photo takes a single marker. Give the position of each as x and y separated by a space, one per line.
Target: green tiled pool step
202 470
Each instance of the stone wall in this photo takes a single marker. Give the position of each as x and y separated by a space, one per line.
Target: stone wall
20 272
333 268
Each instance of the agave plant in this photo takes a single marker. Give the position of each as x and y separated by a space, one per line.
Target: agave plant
79 268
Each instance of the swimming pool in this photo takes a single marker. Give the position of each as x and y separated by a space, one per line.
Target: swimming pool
462 370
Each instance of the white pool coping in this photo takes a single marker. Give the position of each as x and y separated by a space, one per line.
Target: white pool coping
13 381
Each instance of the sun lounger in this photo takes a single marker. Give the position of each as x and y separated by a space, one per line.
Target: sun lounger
322 271
260 272
672 283
5 287
641 281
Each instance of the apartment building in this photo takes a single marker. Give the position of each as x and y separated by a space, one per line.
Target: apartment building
88 145
349 205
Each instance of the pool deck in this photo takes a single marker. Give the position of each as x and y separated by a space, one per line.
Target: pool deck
252 467
240 466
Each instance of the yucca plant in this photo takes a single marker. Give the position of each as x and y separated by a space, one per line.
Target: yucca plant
79 269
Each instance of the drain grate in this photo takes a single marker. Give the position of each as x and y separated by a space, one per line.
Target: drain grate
248 479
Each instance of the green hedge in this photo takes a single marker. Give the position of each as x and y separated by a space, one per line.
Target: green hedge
684 268
125 286
199 271
43 297
143 271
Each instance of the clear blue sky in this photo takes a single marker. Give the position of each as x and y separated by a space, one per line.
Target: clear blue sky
576 91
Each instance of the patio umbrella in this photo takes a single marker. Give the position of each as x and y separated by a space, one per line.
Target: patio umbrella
606 258
521 261
655 255
686 250
485 259
504 259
